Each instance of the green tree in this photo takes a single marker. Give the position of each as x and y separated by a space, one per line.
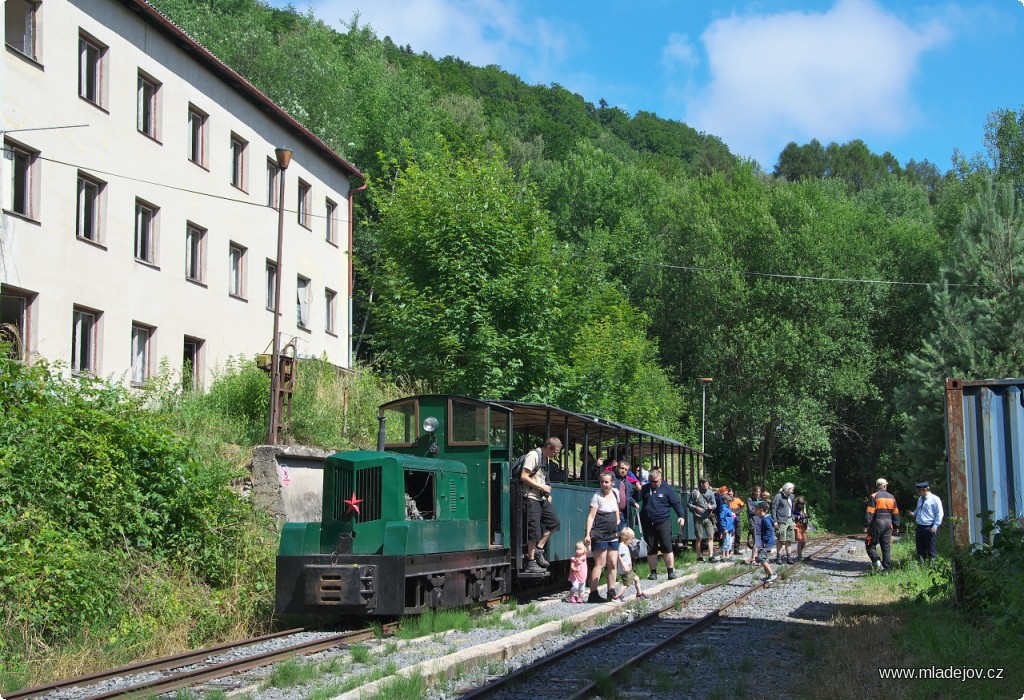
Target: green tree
465 283
977 317
1004 141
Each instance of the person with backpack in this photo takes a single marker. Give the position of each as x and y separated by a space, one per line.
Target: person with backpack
659 501
782 516
539 511
702 505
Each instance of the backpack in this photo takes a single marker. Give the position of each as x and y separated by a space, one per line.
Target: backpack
517 466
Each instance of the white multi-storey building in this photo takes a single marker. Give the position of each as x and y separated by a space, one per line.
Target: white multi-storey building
140 192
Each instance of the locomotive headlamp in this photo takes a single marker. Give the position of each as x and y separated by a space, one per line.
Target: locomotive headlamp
429 424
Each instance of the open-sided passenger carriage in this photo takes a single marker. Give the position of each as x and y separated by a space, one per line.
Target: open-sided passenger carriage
432 519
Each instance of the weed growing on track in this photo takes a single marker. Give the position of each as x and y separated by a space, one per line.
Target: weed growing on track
402 688
360 653
604 685
292 673
527 610
433 622
663 680
570 627
330 690
710 576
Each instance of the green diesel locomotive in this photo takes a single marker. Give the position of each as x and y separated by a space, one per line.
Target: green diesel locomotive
432 518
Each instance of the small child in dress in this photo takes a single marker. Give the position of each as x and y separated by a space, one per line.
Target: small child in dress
767 541
800 524
578 574
625 566
727 523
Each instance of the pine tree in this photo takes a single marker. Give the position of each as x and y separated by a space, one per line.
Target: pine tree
977 317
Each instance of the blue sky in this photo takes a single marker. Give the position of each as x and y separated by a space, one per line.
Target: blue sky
913 77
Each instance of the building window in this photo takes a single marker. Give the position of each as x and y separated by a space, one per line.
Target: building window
145 232
236 271
302 305
273 184
331 310
20 26
197 136
92 58
191 363
23 187
304 202
15 321
271 284
148 114
195 258
238 148
88 217
142 353
83 341
332 222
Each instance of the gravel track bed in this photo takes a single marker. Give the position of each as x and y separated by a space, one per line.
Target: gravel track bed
757 650
128 680
762 643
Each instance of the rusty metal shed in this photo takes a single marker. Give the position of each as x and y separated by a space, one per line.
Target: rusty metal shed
985 454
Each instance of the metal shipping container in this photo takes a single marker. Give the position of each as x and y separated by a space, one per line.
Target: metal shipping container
985 453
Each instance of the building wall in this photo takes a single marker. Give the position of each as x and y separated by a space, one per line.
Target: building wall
43 258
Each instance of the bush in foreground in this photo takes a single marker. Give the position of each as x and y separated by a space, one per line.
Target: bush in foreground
113 535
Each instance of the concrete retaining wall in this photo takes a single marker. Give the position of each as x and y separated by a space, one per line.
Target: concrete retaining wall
288 481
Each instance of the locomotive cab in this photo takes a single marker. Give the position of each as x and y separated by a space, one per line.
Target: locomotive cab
407 527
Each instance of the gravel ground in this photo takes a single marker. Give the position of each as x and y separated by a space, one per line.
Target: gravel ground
765 641
764 644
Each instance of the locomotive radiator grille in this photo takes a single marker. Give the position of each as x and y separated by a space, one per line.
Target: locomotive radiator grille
341 585
366 484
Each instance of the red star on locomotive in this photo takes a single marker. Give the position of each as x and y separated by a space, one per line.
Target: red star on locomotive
352 503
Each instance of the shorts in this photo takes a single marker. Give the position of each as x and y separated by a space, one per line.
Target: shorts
801 533
602 545
786 532
705 529
764 554
628 578
658 537
539 513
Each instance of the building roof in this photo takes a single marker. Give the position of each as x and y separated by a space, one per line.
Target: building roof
232 78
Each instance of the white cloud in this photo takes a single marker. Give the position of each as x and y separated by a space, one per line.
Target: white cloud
678 53
481 32
794 76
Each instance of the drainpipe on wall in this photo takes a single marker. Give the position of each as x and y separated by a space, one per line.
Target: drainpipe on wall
351 277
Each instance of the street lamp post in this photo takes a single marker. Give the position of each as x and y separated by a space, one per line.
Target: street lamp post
284 158
704 381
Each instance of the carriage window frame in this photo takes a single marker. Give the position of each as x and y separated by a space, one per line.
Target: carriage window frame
391 408
483 425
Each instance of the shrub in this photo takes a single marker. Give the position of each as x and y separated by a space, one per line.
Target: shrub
89 479
991 579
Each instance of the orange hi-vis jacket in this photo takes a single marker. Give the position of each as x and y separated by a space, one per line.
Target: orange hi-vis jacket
882 508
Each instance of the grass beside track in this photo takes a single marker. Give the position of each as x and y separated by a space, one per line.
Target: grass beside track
906 619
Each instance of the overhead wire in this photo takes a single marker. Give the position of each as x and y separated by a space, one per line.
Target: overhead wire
808 278
691 268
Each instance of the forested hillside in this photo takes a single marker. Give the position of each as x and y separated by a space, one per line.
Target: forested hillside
517 241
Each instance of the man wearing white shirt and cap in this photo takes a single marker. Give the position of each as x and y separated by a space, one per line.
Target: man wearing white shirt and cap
928 516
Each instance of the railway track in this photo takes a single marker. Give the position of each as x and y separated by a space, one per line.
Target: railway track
166 674
644 637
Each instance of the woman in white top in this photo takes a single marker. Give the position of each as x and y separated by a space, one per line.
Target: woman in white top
603 536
